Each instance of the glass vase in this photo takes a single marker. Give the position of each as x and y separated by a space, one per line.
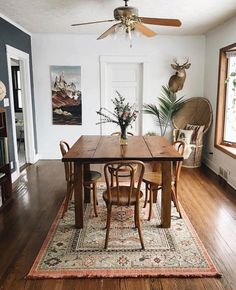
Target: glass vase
123 136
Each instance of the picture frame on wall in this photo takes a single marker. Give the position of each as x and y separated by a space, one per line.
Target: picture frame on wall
66 95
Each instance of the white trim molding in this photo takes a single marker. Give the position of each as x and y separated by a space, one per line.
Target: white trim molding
215 168
23 59
111 59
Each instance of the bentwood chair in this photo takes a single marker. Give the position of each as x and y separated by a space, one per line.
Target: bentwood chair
124 195
122 172
153 181
90 180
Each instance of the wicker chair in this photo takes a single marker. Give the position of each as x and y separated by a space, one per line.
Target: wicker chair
90 180
195 111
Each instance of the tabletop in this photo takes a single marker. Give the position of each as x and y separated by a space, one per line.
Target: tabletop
101 149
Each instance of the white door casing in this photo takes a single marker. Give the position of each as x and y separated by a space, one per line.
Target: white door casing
127 75
27 107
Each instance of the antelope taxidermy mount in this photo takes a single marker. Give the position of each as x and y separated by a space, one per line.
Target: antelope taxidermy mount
176 81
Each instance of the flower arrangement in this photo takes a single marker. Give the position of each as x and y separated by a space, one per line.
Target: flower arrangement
123 115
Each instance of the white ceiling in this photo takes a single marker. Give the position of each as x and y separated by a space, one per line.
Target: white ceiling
56 16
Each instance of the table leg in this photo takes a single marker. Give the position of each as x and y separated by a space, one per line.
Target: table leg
87 191
79 195
166 195
156 167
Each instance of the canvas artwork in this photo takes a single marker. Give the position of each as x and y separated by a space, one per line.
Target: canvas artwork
66 95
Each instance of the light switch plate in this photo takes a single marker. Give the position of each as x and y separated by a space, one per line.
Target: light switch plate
6 102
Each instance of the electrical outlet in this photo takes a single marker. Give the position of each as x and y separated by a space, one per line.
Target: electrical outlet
6 102
225 175
12 165
221 171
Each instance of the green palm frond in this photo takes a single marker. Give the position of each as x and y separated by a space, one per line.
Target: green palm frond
168 106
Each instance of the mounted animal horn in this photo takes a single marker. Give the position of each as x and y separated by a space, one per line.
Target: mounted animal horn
176 81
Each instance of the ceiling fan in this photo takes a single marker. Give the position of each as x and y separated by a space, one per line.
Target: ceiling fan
127 19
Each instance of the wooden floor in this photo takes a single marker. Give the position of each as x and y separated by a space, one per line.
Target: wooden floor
37 197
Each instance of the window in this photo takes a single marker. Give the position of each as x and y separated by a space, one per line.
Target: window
225 137
16 88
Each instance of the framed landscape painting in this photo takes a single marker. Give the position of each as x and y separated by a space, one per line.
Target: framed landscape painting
66 95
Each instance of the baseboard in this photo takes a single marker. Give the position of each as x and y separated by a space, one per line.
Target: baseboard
212 165
49 156
14 176
36 158
215 168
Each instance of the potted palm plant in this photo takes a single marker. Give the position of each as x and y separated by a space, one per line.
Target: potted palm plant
169 104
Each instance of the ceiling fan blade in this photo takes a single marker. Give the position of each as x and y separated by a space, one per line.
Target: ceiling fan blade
93 22
108 31
161 21
144 30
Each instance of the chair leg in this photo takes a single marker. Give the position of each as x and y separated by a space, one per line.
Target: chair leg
112 179
109 206
95 199
146 195
175 196
155 193
137 218
71 192
68 196
150 202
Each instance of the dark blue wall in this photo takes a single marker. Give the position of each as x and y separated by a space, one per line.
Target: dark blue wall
11 35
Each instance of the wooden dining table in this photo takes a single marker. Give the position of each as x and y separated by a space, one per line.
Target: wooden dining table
91 149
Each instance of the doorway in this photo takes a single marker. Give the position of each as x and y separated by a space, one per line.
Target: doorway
127 75
26 138
19 111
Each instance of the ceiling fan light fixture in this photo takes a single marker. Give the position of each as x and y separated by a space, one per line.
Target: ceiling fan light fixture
130 24
125 29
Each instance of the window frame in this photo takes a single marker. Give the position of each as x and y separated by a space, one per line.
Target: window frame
226 147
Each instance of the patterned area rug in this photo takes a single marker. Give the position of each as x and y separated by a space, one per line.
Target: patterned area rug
68 252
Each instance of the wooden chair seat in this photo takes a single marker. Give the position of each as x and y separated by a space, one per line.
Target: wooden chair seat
123 196
91 176
153 178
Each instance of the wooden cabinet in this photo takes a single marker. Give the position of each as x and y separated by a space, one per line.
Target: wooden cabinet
5 170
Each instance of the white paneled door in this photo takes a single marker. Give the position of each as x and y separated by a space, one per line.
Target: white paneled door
127 79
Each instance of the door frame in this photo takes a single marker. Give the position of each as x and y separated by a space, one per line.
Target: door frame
23 58
126 59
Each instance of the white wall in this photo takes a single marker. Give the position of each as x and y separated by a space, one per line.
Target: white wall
216 39
85 51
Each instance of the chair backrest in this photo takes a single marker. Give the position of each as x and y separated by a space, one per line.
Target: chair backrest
179 147
119 133
64 146
132 180
195 111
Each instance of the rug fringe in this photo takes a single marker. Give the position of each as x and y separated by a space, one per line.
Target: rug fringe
128 275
